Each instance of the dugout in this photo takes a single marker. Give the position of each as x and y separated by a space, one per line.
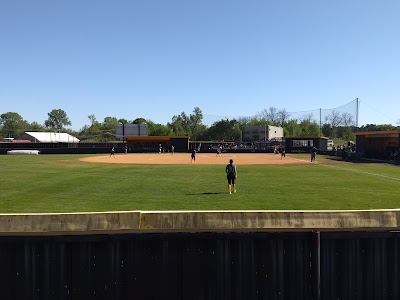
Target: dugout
379 144
212 146
305 143
151 143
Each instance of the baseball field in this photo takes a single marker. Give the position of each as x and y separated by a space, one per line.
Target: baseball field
94 183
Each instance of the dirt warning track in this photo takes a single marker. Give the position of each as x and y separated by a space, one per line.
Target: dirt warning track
201 158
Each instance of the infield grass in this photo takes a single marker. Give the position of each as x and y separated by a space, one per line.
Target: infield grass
62 183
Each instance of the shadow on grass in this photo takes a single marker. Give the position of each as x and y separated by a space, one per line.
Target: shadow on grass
206 193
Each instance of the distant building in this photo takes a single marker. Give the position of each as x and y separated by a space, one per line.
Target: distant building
48 137
262 133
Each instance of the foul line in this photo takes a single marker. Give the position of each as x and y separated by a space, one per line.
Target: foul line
356 171
363 172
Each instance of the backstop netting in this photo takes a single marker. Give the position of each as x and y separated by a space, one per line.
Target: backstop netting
345 115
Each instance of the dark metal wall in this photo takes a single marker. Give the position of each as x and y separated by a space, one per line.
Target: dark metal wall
302 265
360 142
360 266
63 148
157 266
180 144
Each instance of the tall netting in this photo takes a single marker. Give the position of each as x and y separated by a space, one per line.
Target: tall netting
345 115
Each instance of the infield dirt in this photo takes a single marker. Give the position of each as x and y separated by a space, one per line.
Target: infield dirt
201 158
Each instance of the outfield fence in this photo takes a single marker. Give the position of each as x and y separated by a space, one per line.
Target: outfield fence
201 255
280 265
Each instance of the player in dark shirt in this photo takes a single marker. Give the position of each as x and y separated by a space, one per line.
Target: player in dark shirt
313 153
231 175
193 156
282 151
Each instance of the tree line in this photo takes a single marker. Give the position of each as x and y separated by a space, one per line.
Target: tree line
336 125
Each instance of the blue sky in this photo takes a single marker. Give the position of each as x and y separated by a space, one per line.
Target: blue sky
155 59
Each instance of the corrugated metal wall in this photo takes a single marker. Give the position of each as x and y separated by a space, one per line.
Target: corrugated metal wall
352 265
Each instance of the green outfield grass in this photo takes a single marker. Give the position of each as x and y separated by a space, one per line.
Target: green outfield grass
61 183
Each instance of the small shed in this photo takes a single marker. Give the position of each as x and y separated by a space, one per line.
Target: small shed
305 143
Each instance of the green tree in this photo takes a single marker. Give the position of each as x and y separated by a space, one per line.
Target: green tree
374 127
155 129
92 119
180 125
201 132
345 133
292 128
243 121
12 124
108 128
123 121
109 124
256 121
93 132
195 122
139 121
309 128
57 119
327 130
226 130
176 126
35 126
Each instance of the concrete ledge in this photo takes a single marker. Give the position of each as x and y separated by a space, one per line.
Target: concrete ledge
196 221
268 220
71 223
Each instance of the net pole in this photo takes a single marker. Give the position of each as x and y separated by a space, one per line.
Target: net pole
357 108
320 122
